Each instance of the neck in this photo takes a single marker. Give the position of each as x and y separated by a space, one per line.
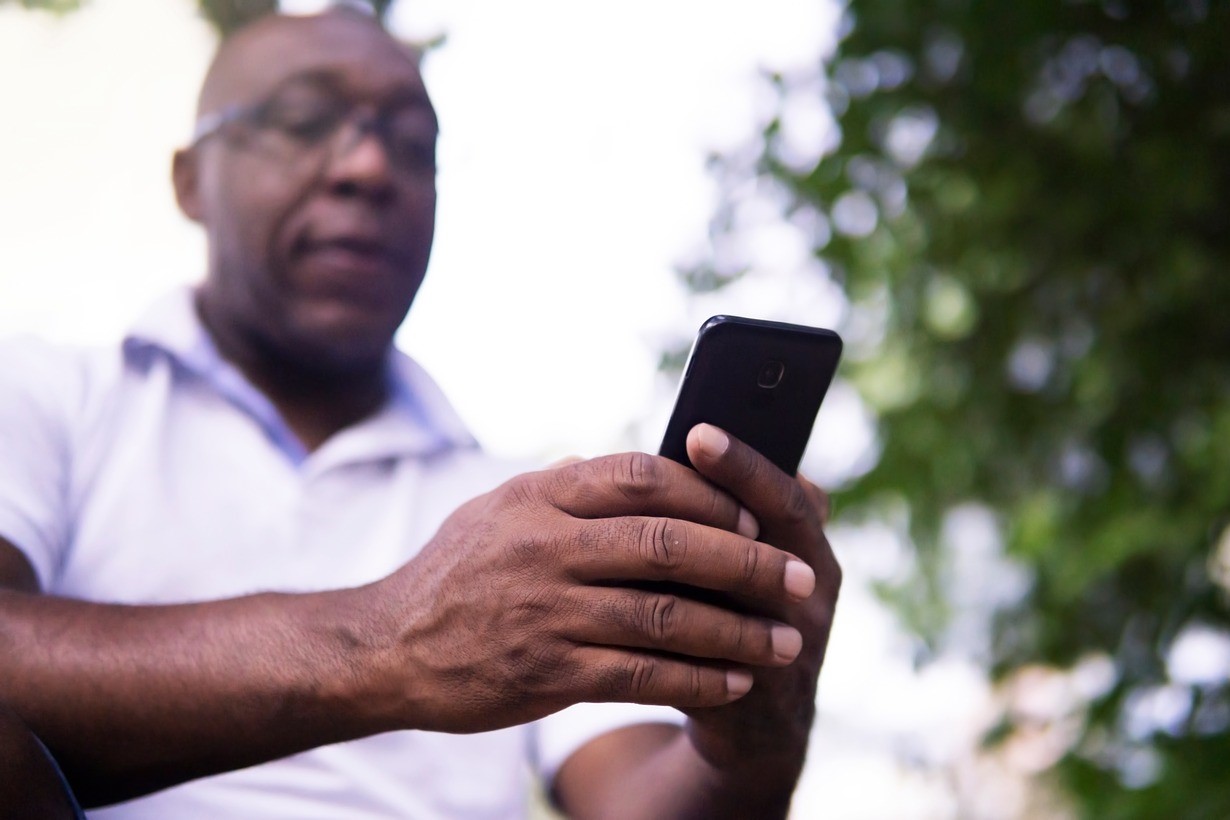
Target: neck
316 406
316 402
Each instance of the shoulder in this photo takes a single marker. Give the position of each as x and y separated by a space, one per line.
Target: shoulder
30 352
38 374
40 378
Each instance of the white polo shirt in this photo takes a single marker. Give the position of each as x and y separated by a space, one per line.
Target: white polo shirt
155 473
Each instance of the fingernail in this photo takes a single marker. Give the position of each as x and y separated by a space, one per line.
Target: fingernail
787 642
800 579
712 440
738 682
748 526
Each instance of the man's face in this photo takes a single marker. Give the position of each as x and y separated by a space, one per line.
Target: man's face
317 244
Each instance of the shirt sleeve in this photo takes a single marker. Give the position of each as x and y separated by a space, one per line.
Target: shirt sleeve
557 736
37 389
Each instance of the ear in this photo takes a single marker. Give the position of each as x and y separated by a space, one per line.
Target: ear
186 177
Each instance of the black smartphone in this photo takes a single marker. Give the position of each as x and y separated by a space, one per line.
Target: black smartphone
760 381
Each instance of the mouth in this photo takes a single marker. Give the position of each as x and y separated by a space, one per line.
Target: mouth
361 251
350 257
356 269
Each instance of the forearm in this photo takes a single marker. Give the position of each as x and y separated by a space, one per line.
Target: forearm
657 772
134 699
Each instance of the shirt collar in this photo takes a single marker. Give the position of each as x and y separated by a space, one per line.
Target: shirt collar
417 419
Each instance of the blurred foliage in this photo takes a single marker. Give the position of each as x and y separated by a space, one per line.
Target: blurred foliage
228 15
57 6
224 15
1029 212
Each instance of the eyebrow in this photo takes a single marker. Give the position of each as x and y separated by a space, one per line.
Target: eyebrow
404 95
326 78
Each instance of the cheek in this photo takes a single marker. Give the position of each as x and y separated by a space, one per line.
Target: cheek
425 222
419 220
245 208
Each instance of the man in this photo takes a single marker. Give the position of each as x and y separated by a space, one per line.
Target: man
420 644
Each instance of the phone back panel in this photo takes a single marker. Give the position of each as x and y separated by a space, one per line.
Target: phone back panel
761 381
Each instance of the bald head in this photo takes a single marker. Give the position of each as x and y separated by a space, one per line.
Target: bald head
253 60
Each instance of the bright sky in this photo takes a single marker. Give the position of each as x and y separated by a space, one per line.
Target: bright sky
572 182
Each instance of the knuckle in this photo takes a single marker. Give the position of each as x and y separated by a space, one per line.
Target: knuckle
663 544
588 537
740 638
523 550
535 605
538 668
636 475
520 492
696 683
659 616
578 484
797 508
750 563
721 507
531 548
640 674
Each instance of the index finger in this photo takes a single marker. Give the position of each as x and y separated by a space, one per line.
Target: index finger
639 484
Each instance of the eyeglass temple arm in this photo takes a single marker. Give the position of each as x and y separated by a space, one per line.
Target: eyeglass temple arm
213 122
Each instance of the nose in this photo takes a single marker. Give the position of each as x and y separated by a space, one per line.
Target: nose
359 163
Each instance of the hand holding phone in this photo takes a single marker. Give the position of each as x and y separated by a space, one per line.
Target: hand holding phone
760 381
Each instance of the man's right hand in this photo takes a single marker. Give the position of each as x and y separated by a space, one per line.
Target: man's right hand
538 595
525 602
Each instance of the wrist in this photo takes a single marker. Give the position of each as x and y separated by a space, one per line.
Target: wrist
359 672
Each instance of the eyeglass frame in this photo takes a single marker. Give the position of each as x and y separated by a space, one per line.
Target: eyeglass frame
376 123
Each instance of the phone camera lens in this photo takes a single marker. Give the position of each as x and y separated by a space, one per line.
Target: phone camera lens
771 373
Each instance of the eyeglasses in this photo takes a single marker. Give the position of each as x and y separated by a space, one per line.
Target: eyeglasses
305 124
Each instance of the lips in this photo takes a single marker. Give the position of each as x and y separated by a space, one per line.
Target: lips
347 246
362 245
358 268
357 254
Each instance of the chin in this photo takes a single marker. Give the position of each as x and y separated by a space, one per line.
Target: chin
344 340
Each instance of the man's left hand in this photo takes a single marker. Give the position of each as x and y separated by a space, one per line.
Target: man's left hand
769 726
